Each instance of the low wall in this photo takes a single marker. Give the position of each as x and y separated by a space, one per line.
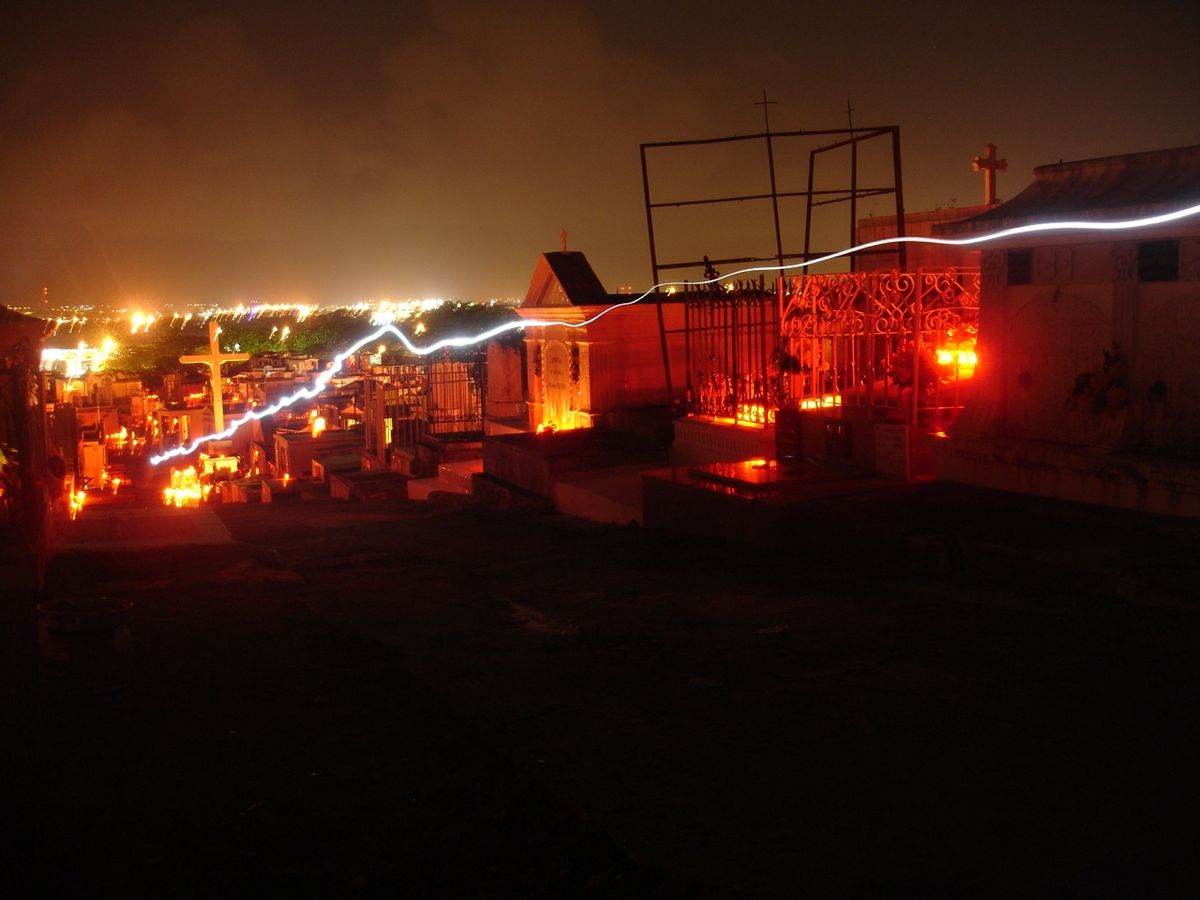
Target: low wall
367 486
532 462
700 441
1128 481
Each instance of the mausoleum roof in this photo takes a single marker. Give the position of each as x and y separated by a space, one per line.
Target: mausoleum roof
1110 187
579 282
565 279
569 271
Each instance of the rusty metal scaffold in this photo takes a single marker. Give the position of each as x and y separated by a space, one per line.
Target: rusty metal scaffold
850 138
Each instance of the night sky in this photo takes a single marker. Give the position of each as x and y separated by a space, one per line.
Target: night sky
221 152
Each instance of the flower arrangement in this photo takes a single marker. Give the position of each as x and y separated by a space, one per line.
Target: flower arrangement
932 373
1104 388
781 364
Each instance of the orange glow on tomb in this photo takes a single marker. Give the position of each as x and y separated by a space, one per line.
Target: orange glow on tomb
567 420
963 357
185 489
821 402
754 414
318 426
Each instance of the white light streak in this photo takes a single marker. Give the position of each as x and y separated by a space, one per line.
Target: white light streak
323 379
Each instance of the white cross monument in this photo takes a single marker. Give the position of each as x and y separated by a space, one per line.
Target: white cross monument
213 360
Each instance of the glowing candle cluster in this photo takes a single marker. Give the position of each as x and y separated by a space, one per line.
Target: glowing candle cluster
185 489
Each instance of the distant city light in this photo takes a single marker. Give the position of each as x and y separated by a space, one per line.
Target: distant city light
75 362
140 321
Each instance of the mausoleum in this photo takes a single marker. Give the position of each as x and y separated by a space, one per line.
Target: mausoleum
577 374
1087 386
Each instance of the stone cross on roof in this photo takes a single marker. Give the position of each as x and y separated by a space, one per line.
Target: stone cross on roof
989 165
213 359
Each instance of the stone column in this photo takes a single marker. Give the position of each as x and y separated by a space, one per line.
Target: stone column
581 375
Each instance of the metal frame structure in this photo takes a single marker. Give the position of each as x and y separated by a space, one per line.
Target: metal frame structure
845 137
850 137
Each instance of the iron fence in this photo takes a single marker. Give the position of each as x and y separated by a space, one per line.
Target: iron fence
731 334
898 341
442 394
454 400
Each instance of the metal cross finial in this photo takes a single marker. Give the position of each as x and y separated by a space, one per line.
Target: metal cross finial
764 103
562 236
850 115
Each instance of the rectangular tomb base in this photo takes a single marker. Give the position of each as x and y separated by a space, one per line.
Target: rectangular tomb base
751 476
533 462
368 486
452 478
1143 483
751 501
612 495
700 440
275 490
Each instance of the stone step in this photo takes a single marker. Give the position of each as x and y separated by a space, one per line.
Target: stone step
612 495
456 475
421 488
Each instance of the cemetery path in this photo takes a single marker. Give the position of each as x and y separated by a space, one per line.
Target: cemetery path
371 697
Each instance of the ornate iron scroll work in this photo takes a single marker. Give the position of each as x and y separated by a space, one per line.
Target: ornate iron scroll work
864 338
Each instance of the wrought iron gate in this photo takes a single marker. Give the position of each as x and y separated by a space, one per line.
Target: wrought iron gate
442 395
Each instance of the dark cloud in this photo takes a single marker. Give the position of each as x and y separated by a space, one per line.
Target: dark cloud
208 152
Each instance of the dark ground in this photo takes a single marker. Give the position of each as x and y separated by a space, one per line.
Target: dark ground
396 699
